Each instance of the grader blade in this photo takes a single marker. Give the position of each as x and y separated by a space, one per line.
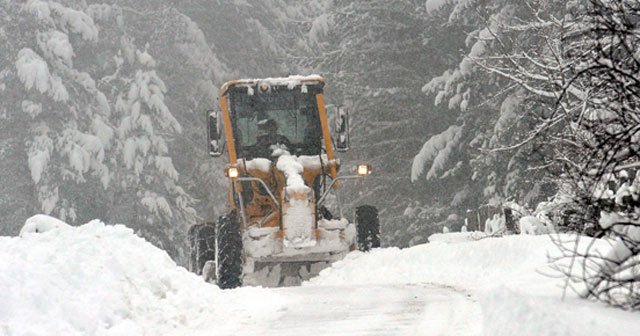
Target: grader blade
284 274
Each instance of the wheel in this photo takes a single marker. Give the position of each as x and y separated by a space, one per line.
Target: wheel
193 249
201 245
229 252
368 227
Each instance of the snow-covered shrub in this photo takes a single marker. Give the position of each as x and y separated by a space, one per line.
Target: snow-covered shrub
529 225
495 219
534 225
495 225
604 43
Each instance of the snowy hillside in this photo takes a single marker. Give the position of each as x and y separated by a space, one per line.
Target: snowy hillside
98 279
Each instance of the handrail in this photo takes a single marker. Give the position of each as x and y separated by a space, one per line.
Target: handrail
273 198
333 182
275 201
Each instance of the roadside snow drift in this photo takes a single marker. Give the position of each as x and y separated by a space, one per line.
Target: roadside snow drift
99 279
508 275
104 280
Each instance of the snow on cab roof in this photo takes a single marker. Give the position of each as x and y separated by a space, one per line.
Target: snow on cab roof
290 82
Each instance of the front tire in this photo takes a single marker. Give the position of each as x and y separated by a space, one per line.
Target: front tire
368 227
229 252
202 246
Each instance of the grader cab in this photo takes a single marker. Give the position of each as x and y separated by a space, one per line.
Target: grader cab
282 172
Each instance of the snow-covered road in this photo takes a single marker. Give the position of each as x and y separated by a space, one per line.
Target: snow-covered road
376 310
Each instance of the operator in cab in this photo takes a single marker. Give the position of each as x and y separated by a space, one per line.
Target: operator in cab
268 138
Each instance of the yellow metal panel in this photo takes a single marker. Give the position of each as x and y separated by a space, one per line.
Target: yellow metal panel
326 134
228 130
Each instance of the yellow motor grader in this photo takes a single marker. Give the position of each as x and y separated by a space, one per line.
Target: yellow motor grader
282 172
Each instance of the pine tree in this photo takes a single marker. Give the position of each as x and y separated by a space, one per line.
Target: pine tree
503 164
94 120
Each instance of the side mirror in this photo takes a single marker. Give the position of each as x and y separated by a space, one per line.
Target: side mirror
215 149
342 129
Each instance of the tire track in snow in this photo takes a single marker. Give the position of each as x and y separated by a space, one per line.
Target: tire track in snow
376 310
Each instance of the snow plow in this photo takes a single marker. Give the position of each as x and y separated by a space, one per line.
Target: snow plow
284 222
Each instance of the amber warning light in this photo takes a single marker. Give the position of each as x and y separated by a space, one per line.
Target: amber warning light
231 172
364 169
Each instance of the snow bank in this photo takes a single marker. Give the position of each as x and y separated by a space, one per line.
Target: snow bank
515 312
98 279
104 280
473 265
505 274
42 223
456 237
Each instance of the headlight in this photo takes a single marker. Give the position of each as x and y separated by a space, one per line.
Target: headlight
231 172
364 169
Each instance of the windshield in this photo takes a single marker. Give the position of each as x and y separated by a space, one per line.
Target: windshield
280 117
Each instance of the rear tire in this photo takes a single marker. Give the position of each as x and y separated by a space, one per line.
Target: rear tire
229 252
368 227
202 246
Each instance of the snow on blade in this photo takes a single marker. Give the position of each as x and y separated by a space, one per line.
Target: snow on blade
298 224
